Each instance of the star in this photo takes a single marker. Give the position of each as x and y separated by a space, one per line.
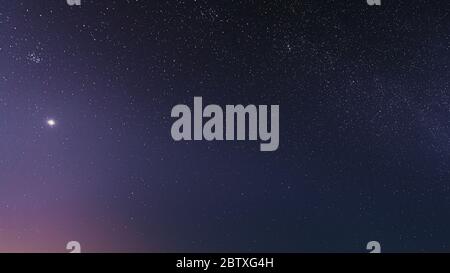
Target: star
51 122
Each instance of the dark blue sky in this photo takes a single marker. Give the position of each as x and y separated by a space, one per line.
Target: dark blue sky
364 101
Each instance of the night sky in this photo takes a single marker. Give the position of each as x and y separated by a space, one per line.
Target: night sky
86 152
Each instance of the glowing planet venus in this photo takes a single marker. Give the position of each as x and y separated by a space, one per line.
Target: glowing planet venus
51 122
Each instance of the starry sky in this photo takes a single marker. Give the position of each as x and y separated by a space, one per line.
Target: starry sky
86 152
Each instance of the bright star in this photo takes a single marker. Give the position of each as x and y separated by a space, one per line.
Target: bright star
51 122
